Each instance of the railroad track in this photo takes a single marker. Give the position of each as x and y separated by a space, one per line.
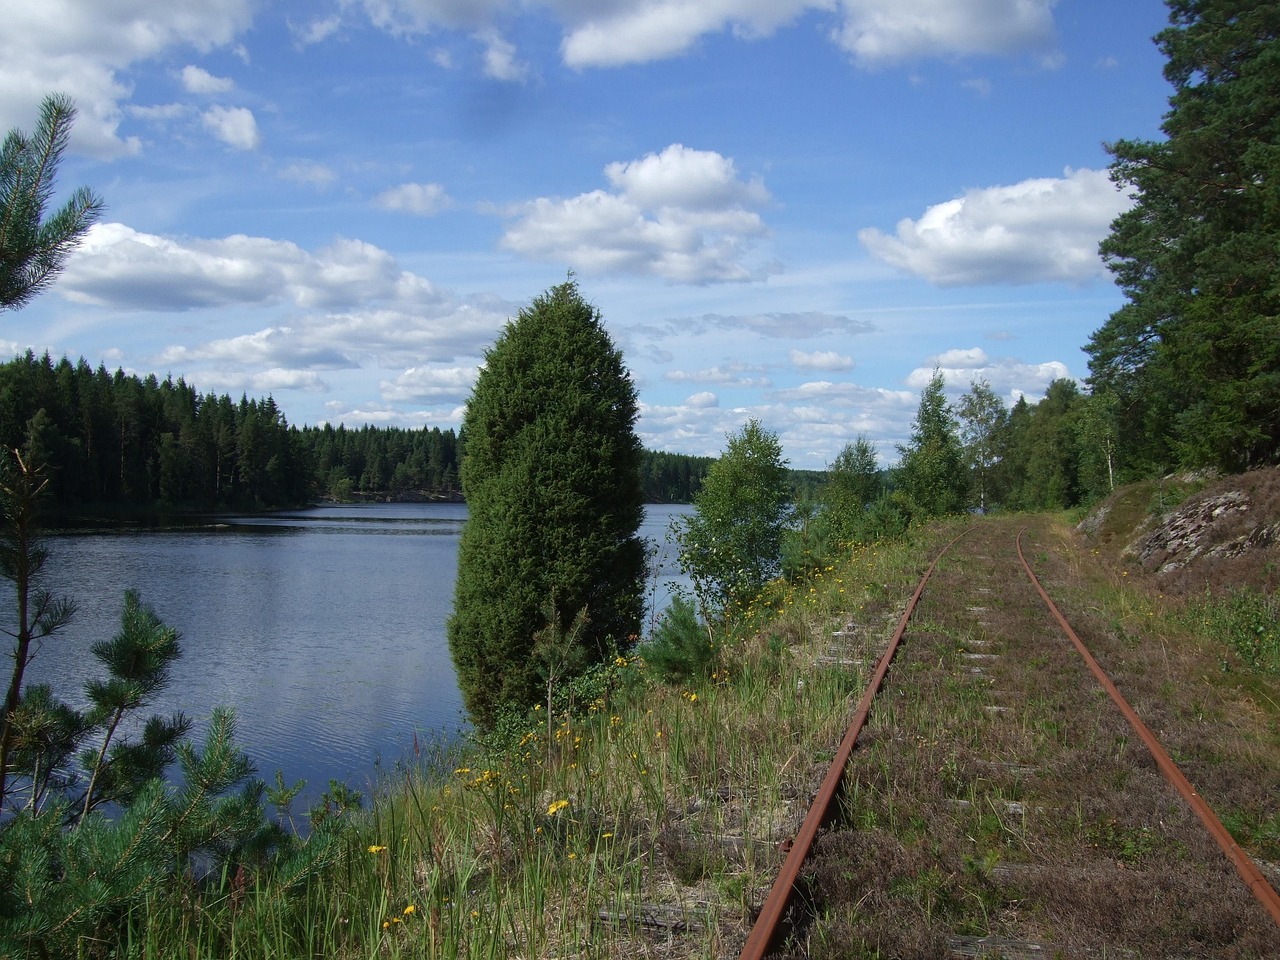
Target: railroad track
997 795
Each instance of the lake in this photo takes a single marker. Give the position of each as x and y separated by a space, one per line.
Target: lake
324 628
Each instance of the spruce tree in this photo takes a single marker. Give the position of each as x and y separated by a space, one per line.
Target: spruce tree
551 476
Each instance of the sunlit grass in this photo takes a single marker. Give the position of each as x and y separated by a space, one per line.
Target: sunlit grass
647 824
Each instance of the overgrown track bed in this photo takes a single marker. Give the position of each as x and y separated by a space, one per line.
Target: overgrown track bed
999 804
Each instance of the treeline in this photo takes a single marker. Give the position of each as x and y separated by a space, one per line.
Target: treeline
114 442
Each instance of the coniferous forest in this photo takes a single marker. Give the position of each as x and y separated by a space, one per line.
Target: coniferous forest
114 442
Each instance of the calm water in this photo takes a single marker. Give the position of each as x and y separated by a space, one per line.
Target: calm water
323 628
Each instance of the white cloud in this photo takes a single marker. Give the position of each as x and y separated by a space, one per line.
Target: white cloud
234 126
704 400
431 382
315 31
1042 230
827 360
1007 375
645 30
123 268
83 48
500 61
884 31
197 80
423 199
726 375
306 172
683 215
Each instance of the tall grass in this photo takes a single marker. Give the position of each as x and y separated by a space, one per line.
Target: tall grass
645 823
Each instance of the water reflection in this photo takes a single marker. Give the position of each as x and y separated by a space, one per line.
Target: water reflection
323 628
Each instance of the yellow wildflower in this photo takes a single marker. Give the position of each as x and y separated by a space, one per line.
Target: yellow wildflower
556 806
377 848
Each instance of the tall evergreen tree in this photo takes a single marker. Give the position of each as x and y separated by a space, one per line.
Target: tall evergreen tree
551 475
33 249
1194 356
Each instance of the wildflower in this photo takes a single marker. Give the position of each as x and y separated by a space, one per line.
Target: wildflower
410 910
386 924
573 856
556 806
377 848
606 836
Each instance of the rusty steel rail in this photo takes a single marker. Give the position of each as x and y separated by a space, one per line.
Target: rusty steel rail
1247 869
770 919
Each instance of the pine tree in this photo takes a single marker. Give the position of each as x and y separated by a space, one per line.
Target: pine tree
33 249
551 475
1193 356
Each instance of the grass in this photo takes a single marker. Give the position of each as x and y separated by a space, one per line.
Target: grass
647 825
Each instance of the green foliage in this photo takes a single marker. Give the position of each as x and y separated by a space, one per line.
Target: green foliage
34 249
551 476
1193 357
731 545
853 484
982 433
1247 620
137 660
931 476
680 646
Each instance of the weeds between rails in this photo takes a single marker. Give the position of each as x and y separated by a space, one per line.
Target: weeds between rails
999 805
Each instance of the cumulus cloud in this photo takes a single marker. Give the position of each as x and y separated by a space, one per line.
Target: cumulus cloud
83 48
430 382
197 80
124 268
873 32
684 215
884 31
827 360
1036 231
1009 376
234 126
612 34
423 199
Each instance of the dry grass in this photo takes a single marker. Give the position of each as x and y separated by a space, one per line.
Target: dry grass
1003 795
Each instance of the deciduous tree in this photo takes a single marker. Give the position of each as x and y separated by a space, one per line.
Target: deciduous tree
731 545
931 473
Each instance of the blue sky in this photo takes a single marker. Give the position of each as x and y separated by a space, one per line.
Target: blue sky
792 210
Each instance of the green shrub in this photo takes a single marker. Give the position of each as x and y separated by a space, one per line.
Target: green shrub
680 647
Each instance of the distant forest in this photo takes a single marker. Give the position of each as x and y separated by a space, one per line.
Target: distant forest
113 442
